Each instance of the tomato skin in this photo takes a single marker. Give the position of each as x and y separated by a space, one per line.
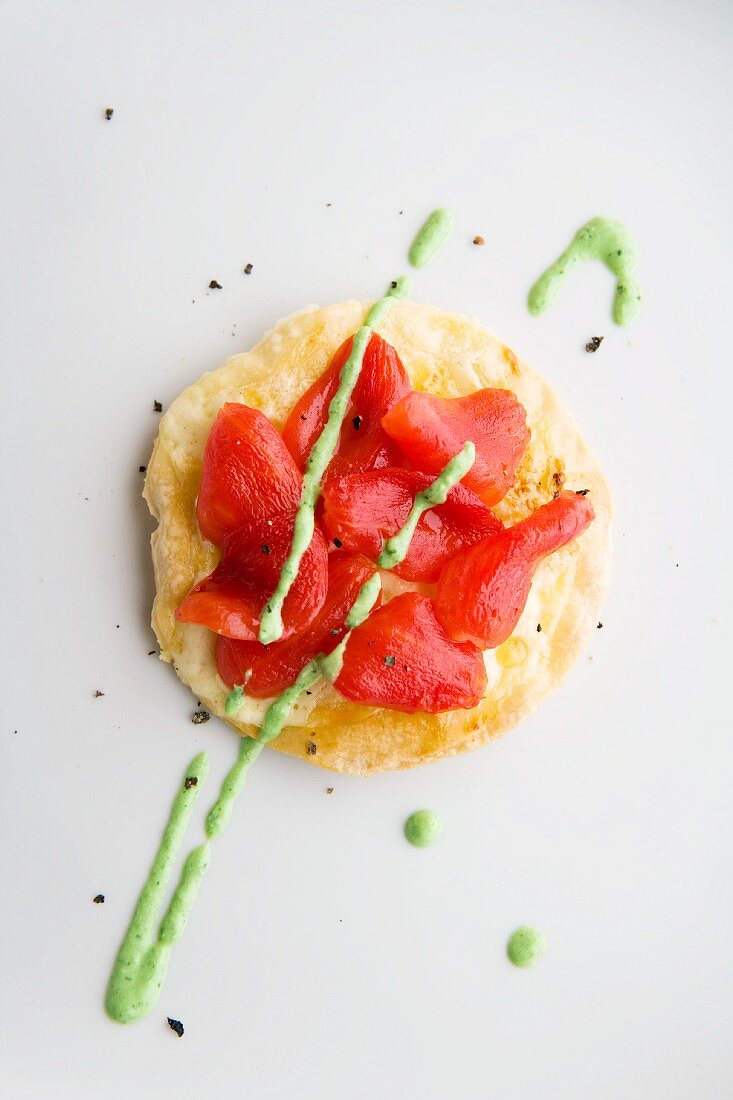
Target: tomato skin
248 474
230 600
363 510
431 430
482 591
401 658
381 382
268 670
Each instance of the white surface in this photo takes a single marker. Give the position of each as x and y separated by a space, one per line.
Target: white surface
327 959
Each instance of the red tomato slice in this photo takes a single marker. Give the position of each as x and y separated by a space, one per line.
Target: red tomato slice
268 670
230 600
364 510
482 591
364 445
431 430
248 474
401 658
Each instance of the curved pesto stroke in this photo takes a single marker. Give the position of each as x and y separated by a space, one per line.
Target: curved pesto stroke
599 239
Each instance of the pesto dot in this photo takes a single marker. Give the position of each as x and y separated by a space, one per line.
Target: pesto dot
423 828
526 946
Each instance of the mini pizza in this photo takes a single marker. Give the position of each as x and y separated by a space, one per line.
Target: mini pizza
456 476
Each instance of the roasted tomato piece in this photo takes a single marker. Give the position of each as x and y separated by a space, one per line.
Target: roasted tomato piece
363 445
482 591
401 658
431 430
248 474
230 600
268 670
363 510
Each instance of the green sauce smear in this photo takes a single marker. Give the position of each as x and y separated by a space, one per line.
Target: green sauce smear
431 237
271 623
142 961
423 828
526 946
395 549
599 239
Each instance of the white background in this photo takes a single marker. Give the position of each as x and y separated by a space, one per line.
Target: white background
326 958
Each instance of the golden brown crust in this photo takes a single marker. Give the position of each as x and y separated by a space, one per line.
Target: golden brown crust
446 354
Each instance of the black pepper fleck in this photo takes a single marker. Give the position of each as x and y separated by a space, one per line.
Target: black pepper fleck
99 900
599 626
393 284
594 343
157 407
329 790
248 269
337 543
311 749
199 717
213 285
191 781
109 111
265 548
582 492
539 628
390 661
357 423
175 1025
97 694
143 469
151 653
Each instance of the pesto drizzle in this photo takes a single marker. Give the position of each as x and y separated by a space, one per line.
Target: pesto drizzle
271 623
598 239
396 548
431 237
142 961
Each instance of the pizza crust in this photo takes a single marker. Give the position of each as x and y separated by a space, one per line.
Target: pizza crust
446 354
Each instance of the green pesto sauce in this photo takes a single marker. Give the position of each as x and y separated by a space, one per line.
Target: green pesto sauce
234 700
599 239
142 961
395 549
368 594
218 816
271 623
526 946
401 288
423 828
431 237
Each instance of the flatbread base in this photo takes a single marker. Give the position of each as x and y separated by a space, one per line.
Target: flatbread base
445 354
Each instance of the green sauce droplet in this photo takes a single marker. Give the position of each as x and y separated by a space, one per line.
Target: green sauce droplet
526 946
423 828
599 239
431 237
